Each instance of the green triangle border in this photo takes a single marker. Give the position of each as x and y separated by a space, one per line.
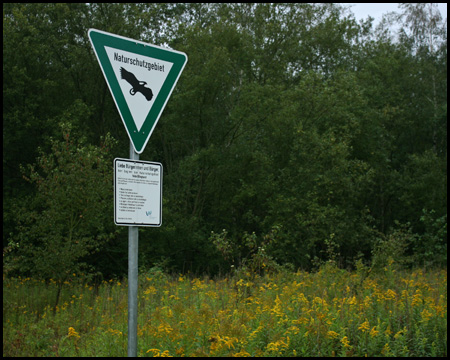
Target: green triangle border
99 39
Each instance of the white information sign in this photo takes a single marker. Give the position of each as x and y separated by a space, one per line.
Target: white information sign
137 192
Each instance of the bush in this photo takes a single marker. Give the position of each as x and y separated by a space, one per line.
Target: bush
69 216
430 249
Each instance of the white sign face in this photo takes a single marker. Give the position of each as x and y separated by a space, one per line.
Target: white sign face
151 74
137 193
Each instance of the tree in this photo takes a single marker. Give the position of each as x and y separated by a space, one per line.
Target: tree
70 214
287 116
321 190
405 82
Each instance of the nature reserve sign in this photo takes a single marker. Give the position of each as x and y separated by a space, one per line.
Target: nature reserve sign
141 78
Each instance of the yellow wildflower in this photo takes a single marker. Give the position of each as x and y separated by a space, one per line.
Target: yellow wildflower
165 328
155 352
399 333
440 310
390 294
364 326
301 320
151 290
426 315
352 301
386 350
345 342
73 333
388 331
254 333
275 346
229 341
417 298
277 308
332 334
242 353
115 332
374 332
198 284
215 343
294 329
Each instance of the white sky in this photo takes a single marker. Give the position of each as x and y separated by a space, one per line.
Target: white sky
376 10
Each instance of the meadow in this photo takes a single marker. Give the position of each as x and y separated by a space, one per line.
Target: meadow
330 312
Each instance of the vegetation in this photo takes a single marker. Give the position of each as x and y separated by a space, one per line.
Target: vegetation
331 312
293 117
295 138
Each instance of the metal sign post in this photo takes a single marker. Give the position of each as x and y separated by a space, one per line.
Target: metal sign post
133 237
152 72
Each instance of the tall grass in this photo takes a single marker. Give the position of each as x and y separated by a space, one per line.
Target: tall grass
331 312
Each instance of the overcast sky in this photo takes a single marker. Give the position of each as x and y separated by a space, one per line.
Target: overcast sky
376 10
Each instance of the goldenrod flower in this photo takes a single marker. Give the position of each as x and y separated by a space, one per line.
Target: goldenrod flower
352 301
294 329
73 333
345 342
390 294
332 334
388 331
229 341
151 290
155 352
373 332
275 346
417 298
242 353
364 326
272 347
386 350
399 333
115 332
166 328
426 315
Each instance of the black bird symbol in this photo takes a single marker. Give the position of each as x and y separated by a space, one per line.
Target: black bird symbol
137 86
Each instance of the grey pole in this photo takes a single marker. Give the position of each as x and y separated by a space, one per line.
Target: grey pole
133 237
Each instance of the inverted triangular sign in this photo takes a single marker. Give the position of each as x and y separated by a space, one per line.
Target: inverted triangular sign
141 78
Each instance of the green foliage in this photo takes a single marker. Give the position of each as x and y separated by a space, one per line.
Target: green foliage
431 248
248 254
67 218
394 247
327 313
287 116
